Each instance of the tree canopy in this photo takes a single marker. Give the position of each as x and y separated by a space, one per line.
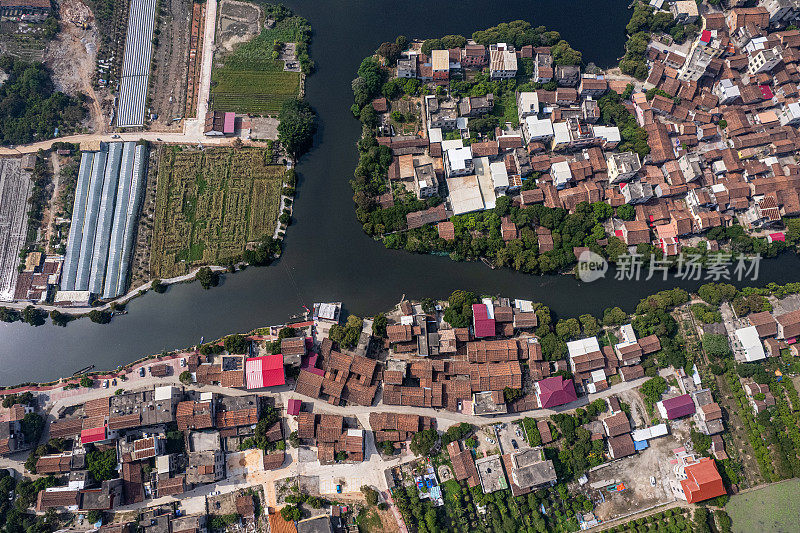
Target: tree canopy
31 108
298 124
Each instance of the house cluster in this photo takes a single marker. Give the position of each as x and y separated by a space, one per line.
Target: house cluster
764 335
337 438
136 425
523 471
397 428
39 278
721 127
592 365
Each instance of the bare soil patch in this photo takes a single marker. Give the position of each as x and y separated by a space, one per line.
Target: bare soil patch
238 23
171 61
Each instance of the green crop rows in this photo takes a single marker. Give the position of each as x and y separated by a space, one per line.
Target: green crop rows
210 204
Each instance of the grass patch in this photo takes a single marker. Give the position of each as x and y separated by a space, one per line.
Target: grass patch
774 508
210 204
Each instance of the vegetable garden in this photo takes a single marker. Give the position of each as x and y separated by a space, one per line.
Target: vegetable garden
210 204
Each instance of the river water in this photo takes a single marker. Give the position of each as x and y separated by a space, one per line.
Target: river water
326 256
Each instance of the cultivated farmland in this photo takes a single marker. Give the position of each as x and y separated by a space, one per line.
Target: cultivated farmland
248 79
210 204
773 508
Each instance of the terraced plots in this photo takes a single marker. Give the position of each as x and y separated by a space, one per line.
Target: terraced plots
15 190
210 204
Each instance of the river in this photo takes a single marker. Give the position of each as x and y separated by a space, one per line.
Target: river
326 256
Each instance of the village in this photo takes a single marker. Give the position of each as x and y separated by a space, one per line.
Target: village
291 427
698 152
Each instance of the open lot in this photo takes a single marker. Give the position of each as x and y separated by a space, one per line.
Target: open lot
774 508
634 472
246 79
210 204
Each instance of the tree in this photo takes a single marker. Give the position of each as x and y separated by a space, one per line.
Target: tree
459 310
236 343
208 278
379 324
102 465
716 345
32 315
590 325
390 52
509 394
653 388
87 382
99 317
424 441
32 426
298 124
614 316
60 319
626 212
185 377
158 287
563 54
94 516
370 494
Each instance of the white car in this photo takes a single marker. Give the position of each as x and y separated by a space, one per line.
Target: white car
183 361
652 481
105 384
490 441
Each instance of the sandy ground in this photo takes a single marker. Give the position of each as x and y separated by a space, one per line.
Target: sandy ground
238 23
635 472
71 57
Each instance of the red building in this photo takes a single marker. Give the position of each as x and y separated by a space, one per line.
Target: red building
702 481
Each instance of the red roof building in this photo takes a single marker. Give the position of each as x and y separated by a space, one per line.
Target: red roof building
555 391
702 481
93 435
293 408
481 323
265 371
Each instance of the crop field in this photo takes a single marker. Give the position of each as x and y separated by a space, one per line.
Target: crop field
210 204
249 80
774 508
253 92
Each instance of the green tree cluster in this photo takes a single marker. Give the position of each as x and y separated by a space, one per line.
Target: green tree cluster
31 108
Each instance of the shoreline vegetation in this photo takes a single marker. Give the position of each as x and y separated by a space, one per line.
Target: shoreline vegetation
650 316
382 207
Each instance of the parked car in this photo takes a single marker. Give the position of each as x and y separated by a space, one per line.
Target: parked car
653 481
105 384
114 382
183 361
490 441
514 444
518 432
141 371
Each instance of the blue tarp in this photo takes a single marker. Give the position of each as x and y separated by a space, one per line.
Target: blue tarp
639 445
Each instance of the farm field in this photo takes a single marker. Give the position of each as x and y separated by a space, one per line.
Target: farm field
210 204
249 80
774 508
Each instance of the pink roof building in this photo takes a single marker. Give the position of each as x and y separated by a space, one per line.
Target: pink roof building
555 391
265 371
93 435
293 409
776 237
481 323
229 124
